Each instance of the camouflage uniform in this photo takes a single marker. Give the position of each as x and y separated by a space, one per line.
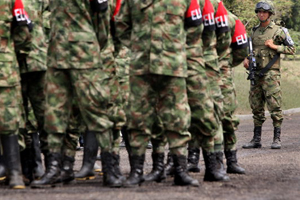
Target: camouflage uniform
155 32
75 70
14 28
269 41
267 89
212 66
227 47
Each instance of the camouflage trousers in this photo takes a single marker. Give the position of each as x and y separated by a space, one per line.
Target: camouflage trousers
230 122
215 81
153 98
10 113
90 88
205 122
266 91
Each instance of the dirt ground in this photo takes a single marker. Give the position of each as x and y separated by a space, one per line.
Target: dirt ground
271 175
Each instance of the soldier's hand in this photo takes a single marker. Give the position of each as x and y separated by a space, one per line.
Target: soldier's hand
270 44
246 63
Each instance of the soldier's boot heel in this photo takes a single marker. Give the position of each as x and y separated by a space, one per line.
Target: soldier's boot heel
181 176
255 142
12 159
158 172
136 172
193 160
232 163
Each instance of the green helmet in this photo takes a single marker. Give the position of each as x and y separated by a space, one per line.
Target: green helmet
265 5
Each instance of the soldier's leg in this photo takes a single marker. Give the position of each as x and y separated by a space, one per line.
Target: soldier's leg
141 116
274 101
9 125
203 120
230 122
59 96
257 102
92 90
159 142
174 111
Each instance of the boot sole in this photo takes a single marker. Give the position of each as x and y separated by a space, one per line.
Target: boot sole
18 187
256 147
47 186
86 178
2 178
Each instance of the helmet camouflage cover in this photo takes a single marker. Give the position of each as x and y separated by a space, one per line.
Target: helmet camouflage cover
265 5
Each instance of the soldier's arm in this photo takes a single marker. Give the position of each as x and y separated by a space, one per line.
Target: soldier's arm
123 26
281 47
22 39
46 18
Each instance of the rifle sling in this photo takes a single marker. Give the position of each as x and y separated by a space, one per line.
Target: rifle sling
269 65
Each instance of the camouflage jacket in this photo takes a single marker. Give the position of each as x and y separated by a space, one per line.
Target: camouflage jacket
13 29
209 8
265 54
160 34
36 58
74 42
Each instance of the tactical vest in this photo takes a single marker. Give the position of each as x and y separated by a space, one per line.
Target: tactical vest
264 54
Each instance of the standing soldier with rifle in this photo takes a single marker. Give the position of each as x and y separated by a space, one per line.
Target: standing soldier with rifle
269 41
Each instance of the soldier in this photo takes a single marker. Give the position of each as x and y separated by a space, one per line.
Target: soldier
14 27
161 36
115 110
269 41
75 72
232 49
33 70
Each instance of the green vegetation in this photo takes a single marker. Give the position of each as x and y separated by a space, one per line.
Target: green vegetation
290 82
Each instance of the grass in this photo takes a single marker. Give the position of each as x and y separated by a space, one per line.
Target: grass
290 82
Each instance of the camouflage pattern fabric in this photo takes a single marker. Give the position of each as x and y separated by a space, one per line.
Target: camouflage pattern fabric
91 91
158 67
10 91
75 70
267 88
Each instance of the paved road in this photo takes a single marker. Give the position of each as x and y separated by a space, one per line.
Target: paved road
271 174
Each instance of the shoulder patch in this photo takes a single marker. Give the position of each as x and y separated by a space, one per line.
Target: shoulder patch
193 16
239 38
221 19
209 16
20 16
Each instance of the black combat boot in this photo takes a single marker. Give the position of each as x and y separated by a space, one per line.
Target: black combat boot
110 178
2 168
158 171
181 176
12 160
276 140
89 157
255 142
169 167
232 164
116 164
212 173
38 169
67 173
193 160
52 175
27 165
136 171
220 163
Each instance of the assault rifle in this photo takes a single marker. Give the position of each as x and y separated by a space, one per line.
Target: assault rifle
252 64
